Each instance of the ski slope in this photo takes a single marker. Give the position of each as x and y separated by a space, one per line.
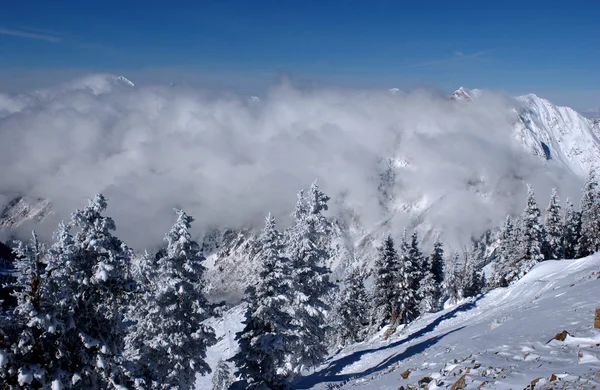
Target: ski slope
502 340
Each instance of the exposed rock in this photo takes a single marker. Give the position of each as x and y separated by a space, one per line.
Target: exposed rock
460 383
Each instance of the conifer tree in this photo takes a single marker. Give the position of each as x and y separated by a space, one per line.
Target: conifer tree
471 283
572 230
530 250
409 277
221 379
553 227
306 246
352 309
268 338
90 276
452 279
428 293
386 289
589 241
436 260
166 345
33 334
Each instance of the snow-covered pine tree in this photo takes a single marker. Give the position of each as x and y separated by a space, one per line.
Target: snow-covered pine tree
268 337
222 378
32 337
352 309
409 276
85 284
385 290
589 241
530 249
166 345
506 253
553 226
471 283
420 265
572 230
436 261
452 279
98 280
305 241
428 292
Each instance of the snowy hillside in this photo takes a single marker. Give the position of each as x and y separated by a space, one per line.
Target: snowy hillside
501 340
556 133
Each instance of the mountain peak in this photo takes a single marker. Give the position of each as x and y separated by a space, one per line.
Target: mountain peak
464 94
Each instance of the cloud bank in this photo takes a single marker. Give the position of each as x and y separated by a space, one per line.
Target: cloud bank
229 159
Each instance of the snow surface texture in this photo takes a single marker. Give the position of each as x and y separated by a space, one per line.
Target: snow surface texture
504 339
220 156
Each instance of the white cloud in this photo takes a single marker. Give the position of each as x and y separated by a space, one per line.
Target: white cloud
229 160
30 35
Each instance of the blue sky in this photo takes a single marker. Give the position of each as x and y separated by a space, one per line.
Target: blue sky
547 47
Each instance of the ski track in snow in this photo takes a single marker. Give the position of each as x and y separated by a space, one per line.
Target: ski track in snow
500 340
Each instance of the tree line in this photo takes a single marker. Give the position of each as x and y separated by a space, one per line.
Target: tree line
91 313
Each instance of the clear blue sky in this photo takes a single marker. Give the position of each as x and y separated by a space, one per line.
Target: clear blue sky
548 47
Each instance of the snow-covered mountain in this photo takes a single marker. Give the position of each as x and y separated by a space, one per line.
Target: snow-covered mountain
558 134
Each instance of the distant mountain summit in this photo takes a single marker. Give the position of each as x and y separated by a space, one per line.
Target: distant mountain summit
557 134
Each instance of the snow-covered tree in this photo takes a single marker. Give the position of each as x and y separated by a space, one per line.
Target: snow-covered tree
428 291
507 253
452 278
305 241
386 289
166 345
87 286
589 241
471 281
31 339
553 226
269 335
572 230
409 276
530 250
352 309
222 378
436 261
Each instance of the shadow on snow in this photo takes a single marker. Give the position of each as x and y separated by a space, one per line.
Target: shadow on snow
329 373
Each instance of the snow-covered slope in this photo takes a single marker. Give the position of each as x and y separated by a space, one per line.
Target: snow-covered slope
24 209
556 133
501 340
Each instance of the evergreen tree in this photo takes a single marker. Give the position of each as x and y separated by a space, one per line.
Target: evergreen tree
553 227
306 248
352 309
409 276
452 278
471 282
428 293
530 250
221 379
268 338
589 241
572 230
166 345
33 335
436 260
89 286
386 290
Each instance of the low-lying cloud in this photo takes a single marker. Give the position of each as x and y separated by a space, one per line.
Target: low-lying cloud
229 159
